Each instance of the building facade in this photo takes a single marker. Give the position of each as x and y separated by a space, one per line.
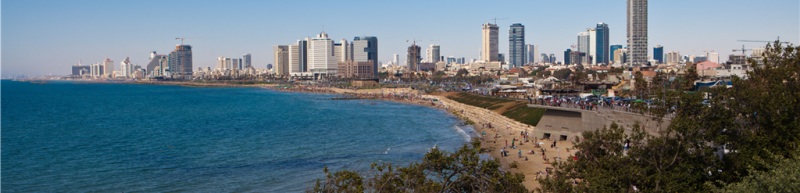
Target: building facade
247 61
611 51
489 43
658 54
637 31
516 45
602 51
413 58
321 58
180 62
365 48
281 63
356 69
532 51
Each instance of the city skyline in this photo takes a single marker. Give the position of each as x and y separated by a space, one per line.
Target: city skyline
46 37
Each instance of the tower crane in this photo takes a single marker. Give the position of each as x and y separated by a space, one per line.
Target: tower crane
742 50
495 19
180 38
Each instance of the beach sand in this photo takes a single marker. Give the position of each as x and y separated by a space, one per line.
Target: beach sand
504 130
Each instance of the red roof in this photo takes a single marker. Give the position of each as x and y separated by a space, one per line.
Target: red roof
706 65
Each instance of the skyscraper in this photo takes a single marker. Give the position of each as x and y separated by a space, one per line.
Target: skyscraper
298 57
516 45
532 55
658 54
611 51
552 58
601 50
545 58
180 62
282 60
108 68
637 32
489 46
247 61
584 43
592 46
567 53
365 48
413 57
396 59
434 53
321 58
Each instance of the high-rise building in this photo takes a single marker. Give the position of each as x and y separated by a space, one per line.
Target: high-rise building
531 52
298 57
601 44
282 60
433 53
516 45
545 58
552 58
637 31
156 66
489 45
583 42
247 61
658 54
365 48
613 48
126 68
396 59
713 57
567 53
96 70
414 57
321 58
180 62
592 46
621 56
108 68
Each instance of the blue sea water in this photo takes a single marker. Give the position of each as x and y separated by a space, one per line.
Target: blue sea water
84 137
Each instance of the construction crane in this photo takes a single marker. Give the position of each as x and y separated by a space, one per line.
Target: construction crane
495 19
742 50
180 38
763 41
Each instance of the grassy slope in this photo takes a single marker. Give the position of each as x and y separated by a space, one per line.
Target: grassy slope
517 110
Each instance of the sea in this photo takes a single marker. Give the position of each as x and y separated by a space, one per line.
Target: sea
64 136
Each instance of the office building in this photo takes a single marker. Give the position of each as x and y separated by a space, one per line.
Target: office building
180 62
247 61
356 69
552 58
567 55
396 59
155 68
637 31
714 57
672 57
601 44
433 53
298 57
108 68
532 55
621 56
545 58
413 58
282 60
96 70
658 54
592 46
489 45
365 48
613 48
584 42
516 46
321 58
126 68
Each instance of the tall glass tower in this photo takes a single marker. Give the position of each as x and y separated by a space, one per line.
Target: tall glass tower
601 44
516 45
489 46
658 54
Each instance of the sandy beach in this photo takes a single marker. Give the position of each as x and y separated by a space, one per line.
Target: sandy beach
497 137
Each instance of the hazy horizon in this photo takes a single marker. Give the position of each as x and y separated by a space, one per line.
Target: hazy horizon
41 37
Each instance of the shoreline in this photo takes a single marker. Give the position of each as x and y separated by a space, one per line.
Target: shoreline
490 126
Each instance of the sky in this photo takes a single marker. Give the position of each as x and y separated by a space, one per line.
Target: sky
46 37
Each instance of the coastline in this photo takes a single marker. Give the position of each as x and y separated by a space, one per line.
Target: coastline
497 129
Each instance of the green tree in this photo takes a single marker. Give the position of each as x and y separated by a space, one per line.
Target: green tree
462 171
739 135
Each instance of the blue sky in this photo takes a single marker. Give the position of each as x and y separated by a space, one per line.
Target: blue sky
47 36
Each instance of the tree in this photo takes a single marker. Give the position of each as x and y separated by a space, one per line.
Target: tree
735 139
462 171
